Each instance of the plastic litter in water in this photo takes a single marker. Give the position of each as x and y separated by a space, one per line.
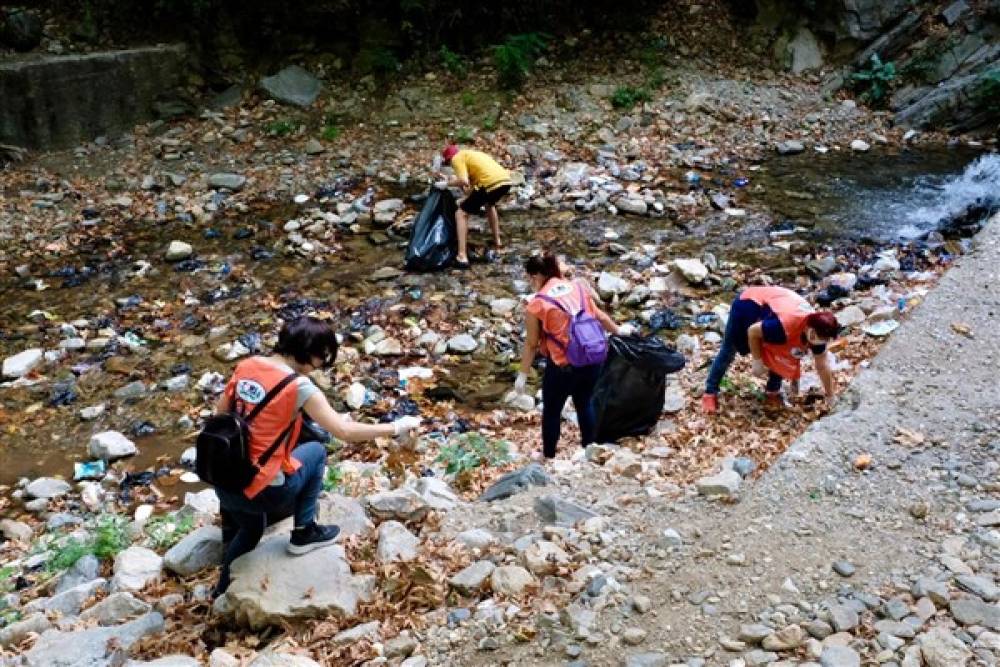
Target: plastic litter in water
89 470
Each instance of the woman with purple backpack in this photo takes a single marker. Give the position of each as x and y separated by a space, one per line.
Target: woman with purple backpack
563 323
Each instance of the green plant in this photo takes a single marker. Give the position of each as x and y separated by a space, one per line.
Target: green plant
280 127
876 81
626 97
66 555
468 98
988 88
110 536
167 530
515 58
464 135
7 579
334 477
489 123
330 132
469 451
379 61
453 62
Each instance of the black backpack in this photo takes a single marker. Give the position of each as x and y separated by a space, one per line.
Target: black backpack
224 445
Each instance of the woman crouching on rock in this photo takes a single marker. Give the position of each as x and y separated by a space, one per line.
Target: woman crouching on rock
290 480
563 323
777 327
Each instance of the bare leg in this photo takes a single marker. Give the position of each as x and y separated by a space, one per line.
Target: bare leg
494 217
462 228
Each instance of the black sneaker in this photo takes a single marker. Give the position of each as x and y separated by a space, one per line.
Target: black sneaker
312 537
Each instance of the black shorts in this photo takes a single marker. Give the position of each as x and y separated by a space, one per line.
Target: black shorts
480 198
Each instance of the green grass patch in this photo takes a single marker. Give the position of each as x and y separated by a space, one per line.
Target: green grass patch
626 97
330 133
108 537
453 63
333 480
280 128
469 451
165 531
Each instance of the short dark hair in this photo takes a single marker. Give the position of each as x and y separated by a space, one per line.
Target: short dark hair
546 265
824 323
306 338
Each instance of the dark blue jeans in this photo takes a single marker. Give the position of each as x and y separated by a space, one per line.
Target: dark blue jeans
244 519
558 384
724 358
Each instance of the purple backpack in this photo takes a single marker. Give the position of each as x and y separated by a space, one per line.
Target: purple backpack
587 343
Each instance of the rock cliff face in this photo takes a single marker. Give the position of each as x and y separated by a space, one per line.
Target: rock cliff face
55 102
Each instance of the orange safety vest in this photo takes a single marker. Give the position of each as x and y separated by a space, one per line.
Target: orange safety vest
250 382
792 311
555 323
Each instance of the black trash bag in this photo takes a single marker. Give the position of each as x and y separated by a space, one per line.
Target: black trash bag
628 397
433 240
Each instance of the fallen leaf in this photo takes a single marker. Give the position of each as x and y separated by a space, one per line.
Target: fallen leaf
863 461
962 329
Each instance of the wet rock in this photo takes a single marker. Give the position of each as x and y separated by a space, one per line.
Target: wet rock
791 147
47 487
510 580
89 648
396 543
292 85
111 445
195 552
15 633
22 363
692 269
462 344
116 608
940 648
135 568
839 656
544 557
266 590
725 483
227 181
17 531
516 481
402 505
472 579
561 512
178 251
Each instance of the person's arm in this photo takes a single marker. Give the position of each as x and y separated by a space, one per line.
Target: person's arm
224 405
825 374
533 333
341 427
606 322
461 177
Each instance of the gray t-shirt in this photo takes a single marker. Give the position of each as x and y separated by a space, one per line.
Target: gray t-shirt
304 385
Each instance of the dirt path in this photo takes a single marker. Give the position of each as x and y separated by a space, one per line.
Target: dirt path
813 508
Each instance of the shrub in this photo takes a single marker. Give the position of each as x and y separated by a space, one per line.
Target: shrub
876 81
515 58
464 135
468 98
469 451
453 62
280 128
109 537
67 554
166 531
626 97
330 132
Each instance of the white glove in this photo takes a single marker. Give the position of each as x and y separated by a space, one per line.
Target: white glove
404 425
759 369
520 382
626 330
441 185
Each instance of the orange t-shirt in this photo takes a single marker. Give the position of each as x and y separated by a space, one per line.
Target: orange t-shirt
555 323
250 382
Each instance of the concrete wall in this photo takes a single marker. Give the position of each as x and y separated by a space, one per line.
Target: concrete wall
61 101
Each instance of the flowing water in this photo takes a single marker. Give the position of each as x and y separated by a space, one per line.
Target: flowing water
839 198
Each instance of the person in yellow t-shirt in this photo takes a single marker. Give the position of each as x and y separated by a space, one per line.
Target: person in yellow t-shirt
485 183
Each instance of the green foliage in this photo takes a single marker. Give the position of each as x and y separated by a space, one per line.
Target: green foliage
989 87
280 127
464 135
468 98
7 575
67 554
380 61
166 531
875 82
489 123
334 477
515 58
626 97
108 537
453 63
330 132
470 451
652 53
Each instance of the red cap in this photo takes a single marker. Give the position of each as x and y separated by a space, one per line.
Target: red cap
449 152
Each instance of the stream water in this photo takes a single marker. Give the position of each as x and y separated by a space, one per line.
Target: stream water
838 198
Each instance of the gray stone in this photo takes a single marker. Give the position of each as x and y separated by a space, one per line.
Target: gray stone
632 205
135 568
292 85
973 611
754 633
131 392
725 483
843 618
227 181
516 481
400 646
272 658
47 487
178 250
396 543
314 147
981 586
610 285
22 363
403 504
759 658
804 52
203 502
896 628
83 570
579 619
266 590
195 552
116 608
16 632
17 531
476 538
462 344
69 602
472 579
555 510
345 512
89 648
791 147
649 659
166 661
111 445
839 656
940 648
510 580
543 557
369 631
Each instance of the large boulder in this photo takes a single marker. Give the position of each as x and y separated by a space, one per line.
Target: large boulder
197 551
292 85
89 648
804 52
268 586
